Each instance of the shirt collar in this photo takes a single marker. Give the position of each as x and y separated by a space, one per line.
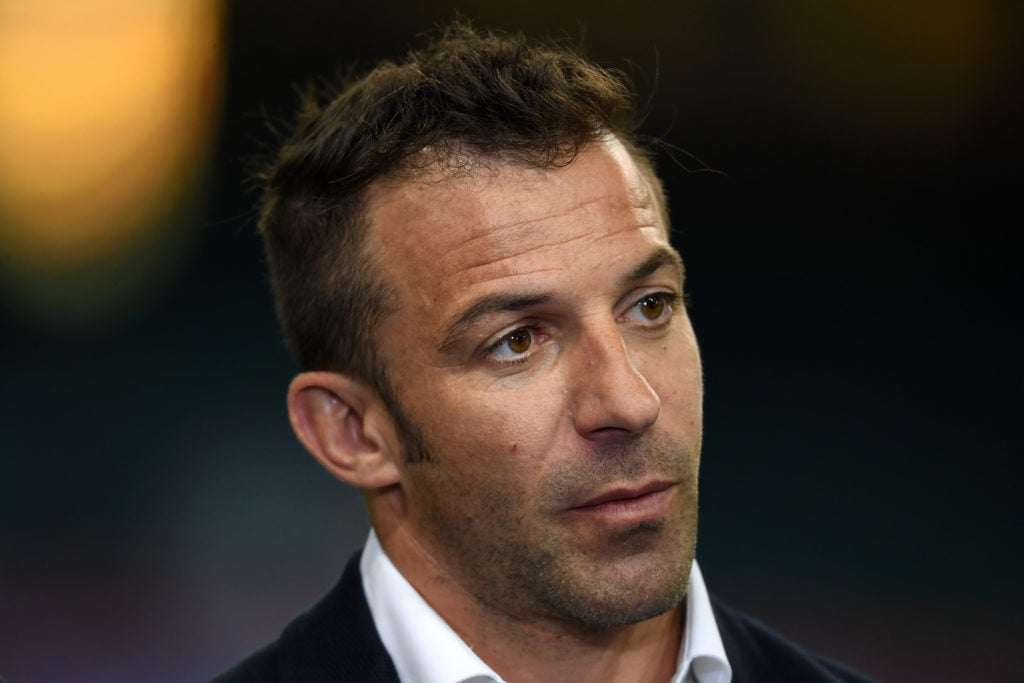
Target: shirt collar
425 649
702 654
423 646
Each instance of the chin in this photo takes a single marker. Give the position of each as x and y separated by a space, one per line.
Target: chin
627 591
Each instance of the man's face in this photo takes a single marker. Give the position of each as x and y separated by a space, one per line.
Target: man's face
541 350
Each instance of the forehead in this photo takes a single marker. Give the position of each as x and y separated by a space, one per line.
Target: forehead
445 232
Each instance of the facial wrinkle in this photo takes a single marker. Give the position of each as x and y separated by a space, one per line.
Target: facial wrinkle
541 249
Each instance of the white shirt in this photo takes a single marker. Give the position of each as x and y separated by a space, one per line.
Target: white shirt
425 649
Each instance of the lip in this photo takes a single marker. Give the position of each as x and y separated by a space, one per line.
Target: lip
629 503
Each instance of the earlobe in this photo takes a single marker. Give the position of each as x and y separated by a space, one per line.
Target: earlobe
342 422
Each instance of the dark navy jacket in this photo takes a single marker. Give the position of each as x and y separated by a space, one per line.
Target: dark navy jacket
336 642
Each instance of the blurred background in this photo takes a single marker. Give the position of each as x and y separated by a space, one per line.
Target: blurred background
855 284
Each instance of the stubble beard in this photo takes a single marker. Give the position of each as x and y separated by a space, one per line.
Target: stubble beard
531 571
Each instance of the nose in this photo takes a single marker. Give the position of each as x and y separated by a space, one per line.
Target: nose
612 397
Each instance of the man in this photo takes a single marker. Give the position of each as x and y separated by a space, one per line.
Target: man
471 260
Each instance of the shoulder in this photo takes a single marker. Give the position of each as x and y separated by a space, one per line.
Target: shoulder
759 653
335 640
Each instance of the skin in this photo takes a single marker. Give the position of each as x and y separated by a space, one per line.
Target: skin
542 355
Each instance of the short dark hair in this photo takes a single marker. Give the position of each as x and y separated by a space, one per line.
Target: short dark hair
485 94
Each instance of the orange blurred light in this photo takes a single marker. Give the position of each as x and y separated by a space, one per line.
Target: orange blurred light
106 115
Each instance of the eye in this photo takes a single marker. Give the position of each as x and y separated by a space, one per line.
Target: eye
512 345
652 306
653 310
519 341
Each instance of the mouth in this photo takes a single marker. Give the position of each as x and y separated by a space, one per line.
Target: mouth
629 504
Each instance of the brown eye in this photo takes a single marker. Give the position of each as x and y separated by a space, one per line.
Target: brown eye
519 341
652 307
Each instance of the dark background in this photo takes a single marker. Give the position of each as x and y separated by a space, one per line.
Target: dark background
855 285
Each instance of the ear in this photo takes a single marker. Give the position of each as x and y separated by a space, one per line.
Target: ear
346 427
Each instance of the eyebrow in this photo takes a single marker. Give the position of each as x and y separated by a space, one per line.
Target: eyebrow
504 303
661 258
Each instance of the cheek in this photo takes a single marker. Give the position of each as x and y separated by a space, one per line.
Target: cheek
511 429
676 376
527 418
498 439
